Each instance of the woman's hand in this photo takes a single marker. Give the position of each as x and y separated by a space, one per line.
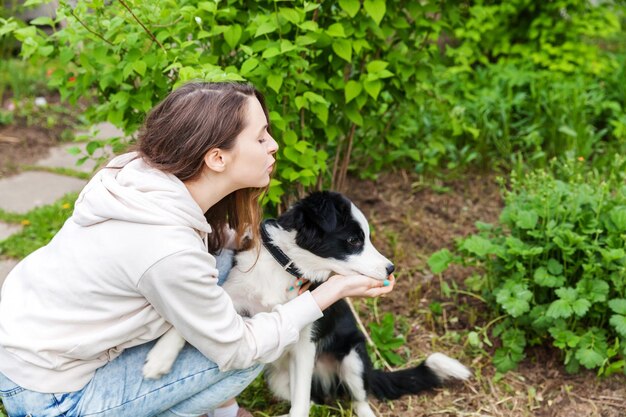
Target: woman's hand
340 286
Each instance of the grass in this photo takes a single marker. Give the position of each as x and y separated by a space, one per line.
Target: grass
68 172
39 226
22 79
258 397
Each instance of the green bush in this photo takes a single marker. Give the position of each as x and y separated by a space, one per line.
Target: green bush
358 85
503 113
555 266
330 71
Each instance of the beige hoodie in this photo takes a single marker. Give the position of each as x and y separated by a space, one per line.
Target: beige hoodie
131 260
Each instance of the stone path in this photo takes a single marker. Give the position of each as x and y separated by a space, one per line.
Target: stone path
23 192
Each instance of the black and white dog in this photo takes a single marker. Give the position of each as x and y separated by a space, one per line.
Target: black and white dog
320 235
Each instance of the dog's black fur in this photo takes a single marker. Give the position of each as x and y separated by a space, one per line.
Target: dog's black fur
337 334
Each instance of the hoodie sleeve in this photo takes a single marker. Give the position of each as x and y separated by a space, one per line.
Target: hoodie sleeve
183 288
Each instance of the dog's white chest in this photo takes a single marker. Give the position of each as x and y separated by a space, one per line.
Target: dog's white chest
261 288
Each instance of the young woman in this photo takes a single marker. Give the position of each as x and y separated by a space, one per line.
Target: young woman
77 317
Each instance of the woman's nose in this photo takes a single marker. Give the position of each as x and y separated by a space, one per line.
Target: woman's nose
273 146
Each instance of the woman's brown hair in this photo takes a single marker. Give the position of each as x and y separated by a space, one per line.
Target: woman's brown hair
180 130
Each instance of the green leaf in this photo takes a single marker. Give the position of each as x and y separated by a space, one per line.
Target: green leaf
515 307
618 217
589 358
569 132
350 6
336 31
543 278
232 35
209 6
439 261
567 293
321 111
506 360
514 297
291 154
618 305
309 25
526 219
140 67
594 290
275 81
610 255
286 46
559 308
46 50
353 115
376 66
581 306
477 245
304 40
290 15
376 9
563 338
555 267
343 49
42 21
315 98
290 138
373 87
267 27
271 52
301 102
352 90
619 322
248 66
473 339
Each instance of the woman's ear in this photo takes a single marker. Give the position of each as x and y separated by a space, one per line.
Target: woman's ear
215 160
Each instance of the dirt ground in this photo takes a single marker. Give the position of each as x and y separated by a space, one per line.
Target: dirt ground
25 141
411 221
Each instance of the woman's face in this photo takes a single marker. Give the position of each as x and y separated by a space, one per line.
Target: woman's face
252 158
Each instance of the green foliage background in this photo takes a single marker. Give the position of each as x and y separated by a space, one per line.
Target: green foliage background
362 86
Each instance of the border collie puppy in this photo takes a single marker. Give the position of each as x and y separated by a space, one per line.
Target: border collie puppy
321 234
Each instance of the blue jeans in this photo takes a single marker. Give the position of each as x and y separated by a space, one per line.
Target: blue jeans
193 387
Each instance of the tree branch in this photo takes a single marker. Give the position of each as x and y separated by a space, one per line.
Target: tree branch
142 25
89 29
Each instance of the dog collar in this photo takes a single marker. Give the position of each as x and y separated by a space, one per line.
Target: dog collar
277 252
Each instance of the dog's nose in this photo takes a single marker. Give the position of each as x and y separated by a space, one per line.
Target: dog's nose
390 269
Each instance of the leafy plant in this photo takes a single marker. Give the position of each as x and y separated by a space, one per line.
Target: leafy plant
358 86
555 265
21 79
386 339
331 72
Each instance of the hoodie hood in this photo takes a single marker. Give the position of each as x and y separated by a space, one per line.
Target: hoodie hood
128 189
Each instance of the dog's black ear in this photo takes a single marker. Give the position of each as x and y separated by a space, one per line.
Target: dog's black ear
319 209
323 213
291 219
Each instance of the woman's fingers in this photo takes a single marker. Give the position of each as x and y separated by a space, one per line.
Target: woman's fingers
305 286
383 287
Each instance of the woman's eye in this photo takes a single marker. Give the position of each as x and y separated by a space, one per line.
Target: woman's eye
354 241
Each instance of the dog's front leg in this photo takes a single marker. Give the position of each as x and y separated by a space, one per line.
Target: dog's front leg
301 364
163 354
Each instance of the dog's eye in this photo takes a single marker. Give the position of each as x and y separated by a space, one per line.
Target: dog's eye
354 241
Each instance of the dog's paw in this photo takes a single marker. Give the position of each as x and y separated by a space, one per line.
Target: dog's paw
363 409
157 365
